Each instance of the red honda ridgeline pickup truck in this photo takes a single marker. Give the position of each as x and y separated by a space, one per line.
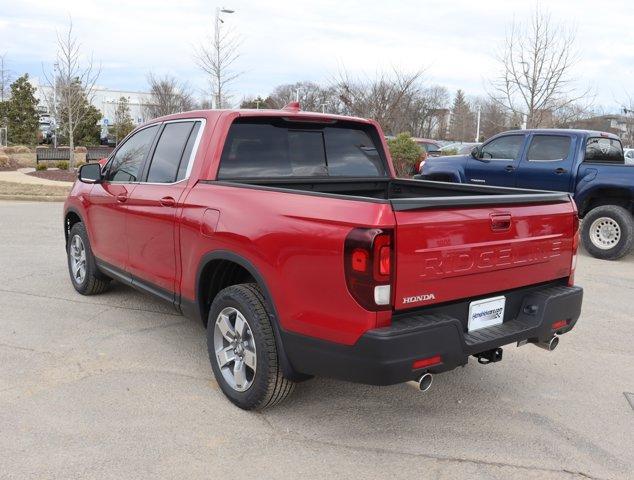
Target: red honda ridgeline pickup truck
288 234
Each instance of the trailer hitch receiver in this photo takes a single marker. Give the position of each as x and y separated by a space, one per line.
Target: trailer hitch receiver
490 356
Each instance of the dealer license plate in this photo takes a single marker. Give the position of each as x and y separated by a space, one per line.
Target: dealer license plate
486 313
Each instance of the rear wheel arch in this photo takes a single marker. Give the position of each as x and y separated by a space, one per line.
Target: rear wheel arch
620 197
220 269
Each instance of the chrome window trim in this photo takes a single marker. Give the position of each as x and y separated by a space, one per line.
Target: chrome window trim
190 161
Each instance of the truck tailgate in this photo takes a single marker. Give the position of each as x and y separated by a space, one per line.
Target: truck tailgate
460 252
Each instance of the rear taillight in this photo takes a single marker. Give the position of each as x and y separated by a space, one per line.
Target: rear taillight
368 265
575 246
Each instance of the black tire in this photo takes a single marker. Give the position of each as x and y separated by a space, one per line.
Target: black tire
94 281
268 385
625 222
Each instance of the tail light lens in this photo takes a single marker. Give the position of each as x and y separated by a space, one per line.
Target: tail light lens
575 246
368 262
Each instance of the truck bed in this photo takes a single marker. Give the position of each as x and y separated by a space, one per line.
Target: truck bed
407 194
453 240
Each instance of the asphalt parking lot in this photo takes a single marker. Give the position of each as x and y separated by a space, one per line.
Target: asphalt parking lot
117 386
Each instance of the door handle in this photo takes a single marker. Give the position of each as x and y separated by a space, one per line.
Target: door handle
122 197
509 168
500 222
167 201
560 170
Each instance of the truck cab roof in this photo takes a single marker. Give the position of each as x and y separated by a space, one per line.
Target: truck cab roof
291 111
566 131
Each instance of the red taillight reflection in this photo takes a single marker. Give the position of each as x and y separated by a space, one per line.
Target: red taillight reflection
382 257
360 260
559 324
426 362
384 260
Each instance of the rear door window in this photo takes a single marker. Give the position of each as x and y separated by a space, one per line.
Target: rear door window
548 148
503 148
276 148
168 154
604 150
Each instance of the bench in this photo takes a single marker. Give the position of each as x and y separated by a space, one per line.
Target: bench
52 155
97 153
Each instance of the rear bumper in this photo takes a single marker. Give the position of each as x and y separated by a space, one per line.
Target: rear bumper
385 356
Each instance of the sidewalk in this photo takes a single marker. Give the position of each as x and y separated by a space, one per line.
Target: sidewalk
20 176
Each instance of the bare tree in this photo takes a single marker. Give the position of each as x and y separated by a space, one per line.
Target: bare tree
383 98
168 96
6 77
433 112
312 97
535 62
217 58
494 118
72 85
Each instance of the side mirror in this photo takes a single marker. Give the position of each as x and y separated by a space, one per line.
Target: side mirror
475 152
90 173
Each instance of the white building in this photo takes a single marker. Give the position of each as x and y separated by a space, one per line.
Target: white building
104 99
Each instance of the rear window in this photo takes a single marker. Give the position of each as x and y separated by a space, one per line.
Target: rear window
276 148
604 150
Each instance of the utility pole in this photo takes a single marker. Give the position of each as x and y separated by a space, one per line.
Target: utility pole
477 137
323 108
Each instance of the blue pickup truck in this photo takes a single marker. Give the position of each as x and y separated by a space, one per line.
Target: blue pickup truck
588 164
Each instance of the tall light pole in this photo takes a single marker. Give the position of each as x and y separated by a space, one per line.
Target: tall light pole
218 45
477 137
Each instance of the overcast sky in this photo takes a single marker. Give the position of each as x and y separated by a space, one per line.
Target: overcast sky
287 41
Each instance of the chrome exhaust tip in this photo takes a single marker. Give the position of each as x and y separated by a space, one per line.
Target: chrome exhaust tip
549 345
425 381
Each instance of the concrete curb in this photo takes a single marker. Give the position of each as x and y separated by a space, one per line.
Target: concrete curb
33 198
